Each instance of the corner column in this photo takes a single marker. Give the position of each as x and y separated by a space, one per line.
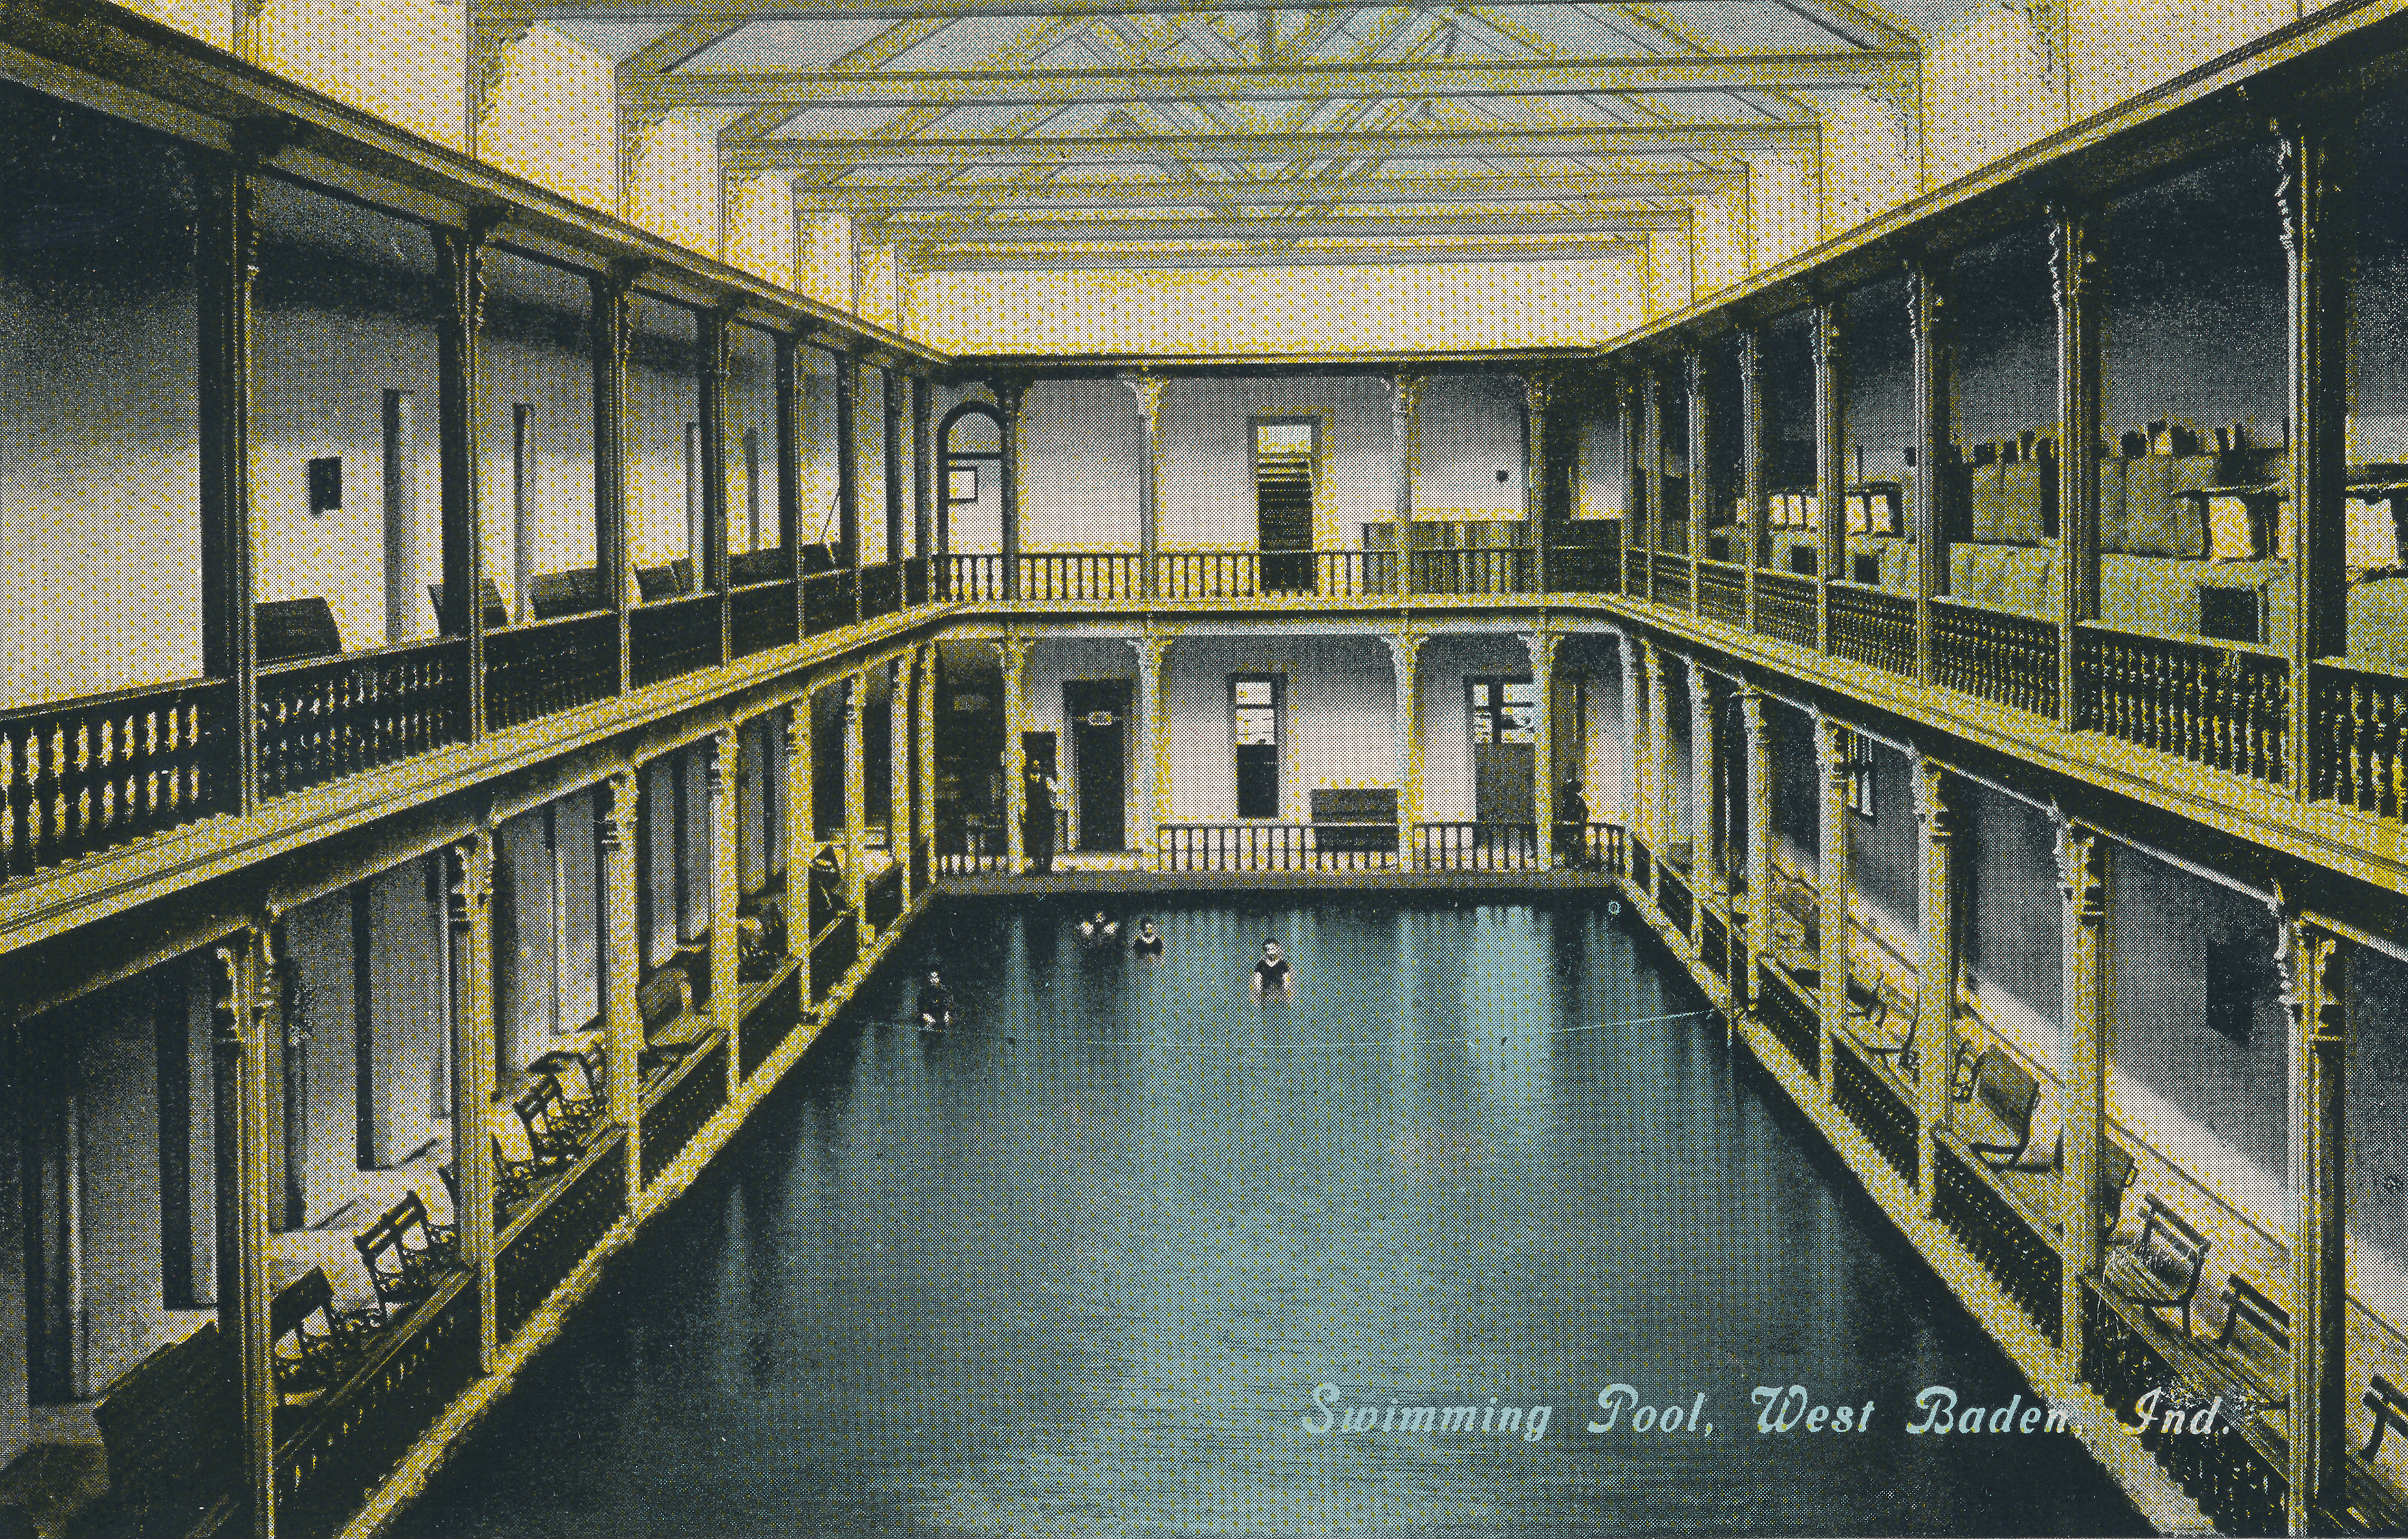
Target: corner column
857 797
1014 650
719 802
1838 765
1751 427
1663 815
614 326
1702 492
1404 649
1404 447
2313 963
1757 732
1706 868
1153 747
802 830
2317 147
1541 647
923 487
1831 468
468 872
848 469
897 403
1538 395
1936 971
623 1023
899 757
923 767
1926 318
2083 871
1009 395
245 1008
1147 391
2072 269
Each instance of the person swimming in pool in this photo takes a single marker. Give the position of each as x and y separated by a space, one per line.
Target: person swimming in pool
1148 941
1273 975
1099 929
936 1004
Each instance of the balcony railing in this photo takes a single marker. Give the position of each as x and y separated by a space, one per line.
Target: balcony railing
321 720
1476 846
1722 591
88 775
759 618
2007 658
2357 725
1669 575
830 601
1276 847
538 671
673 638
1870 626
2218 706
1095 577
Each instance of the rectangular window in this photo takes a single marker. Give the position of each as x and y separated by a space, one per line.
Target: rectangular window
1503 710
1254 701
961 484
1859 753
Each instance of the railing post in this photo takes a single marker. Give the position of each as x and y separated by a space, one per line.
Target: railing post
1154 748
1009 393
228 268
1404 647
1541 647
246 1001
2318 150
1831 468
615 831
2074 271
468 870
2315 993
613 331
1832 751
1927 305
1759 830
2084 868
719 798
1751 466
1147 391
1404 447
1936 972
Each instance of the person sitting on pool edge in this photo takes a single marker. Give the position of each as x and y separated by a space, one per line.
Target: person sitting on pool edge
1099 929
936 1006
1148 941
1273 975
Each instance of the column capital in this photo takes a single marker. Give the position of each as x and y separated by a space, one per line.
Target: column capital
1404 646
1539 386
1151 649
614 810
1701 690
1009 389
1148 389
2082 869
1540 645
1404 392
1935 798
719 765
468 878
2308 960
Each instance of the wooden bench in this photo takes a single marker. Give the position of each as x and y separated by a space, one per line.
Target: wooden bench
2270 1325
551 594
769 565
588 1069
406 1256
2373 1498
173 1423
1355 818
1999 1086
2161 1269
554 1135
760 937
670 579
496 612
664 997
286 630
311 1361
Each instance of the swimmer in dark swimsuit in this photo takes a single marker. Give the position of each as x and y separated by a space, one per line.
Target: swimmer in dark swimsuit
936 1006
1273 975
1148 941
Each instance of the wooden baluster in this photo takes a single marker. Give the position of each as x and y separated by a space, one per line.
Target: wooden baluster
2394 763
2369 707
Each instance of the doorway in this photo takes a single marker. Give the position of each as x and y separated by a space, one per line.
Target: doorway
1097 711
1255 703
1504 747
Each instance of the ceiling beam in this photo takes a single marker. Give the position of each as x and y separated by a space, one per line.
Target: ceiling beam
1067 198
1441 78
901 10
1213 227
1669 139
1007 259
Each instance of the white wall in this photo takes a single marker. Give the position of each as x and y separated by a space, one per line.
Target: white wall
1339 723
537 351
407 1015
1472 432
1082 444
318 938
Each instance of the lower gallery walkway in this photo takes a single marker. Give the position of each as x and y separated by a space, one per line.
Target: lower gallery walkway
1089 1280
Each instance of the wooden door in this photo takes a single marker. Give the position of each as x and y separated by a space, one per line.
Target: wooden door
1099 713
1504 748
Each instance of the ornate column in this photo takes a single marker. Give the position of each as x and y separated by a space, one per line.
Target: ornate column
1702 496
719 802
1936 971
1153 745
1147 391
614 331
1008 394
802 832
1015 776
1760 829
1404 648
1404 448
1926 315
897 404
460 274
615 831
2082 869
848 467
2319 147
923 484
924 766
1538 394
2072 272
1706 808
1751 427
2312 962
900 717
226 252
1541 647
856 794
1830 465
1634 800
244 1022
468 877
1663 812
1838 764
